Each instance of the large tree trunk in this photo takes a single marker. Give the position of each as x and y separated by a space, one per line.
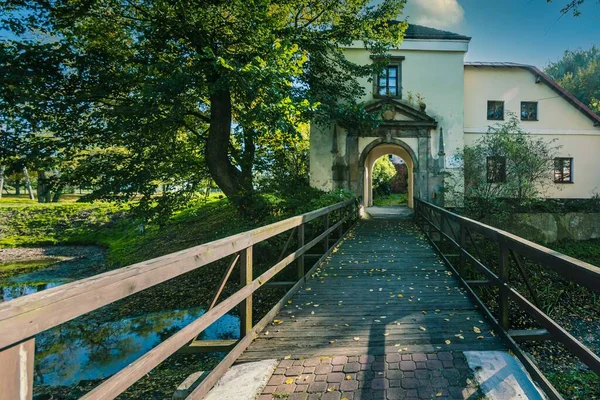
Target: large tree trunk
225 174
28 183
2 169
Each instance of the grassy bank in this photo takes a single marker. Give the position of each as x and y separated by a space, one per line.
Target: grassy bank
114 228
393 199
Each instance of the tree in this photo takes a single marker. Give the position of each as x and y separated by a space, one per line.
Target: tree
578 71
382 175
572 6
211 77
505 165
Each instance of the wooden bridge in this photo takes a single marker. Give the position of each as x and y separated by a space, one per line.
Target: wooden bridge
385 312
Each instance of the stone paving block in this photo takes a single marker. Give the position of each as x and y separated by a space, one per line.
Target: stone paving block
434 364
380 384
349 385
351 367
269 389
294 371
394 374
305 379
276 380
320 378
285 388
335 377
317 387
378 366
421 364
322 369
299 396
395 393
419 357
279 371
286 363
308 370
332 396
301 388
366 359
392 358
338 368
410 383
339 360
311 362
407 365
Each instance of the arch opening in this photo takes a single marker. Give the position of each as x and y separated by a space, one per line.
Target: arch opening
381 150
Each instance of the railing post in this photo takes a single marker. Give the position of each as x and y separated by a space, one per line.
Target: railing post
341 228
503 295
300 261
326 246
16 371
246 277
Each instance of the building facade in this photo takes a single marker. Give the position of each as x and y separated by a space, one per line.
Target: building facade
431 104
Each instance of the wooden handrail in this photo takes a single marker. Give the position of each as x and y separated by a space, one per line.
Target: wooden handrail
570 268
21 319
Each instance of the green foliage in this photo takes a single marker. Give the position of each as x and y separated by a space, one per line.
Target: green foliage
577 385
393 199
578 71
382 175
129 96
584 250
529 165
113 227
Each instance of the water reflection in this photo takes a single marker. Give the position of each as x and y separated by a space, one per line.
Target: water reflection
74 352
12 292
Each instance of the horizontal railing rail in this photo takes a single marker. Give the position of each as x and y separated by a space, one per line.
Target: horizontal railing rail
457 231
23 318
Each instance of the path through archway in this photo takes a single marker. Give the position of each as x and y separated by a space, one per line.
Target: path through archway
369 161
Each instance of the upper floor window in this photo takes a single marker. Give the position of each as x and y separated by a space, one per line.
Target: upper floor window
529 111
496 169
388 81
495 110
563 170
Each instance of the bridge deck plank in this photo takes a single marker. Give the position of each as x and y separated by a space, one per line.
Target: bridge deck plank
382 291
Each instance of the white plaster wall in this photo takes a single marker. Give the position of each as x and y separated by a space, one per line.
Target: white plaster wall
439 77
557 119
513 85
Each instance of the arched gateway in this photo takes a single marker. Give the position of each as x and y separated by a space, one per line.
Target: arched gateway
403 131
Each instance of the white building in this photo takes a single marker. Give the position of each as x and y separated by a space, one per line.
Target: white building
461 101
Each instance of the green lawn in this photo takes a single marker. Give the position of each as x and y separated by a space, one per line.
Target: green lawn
394 199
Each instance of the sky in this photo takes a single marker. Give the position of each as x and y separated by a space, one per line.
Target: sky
524 31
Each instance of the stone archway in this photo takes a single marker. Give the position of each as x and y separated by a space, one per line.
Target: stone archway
376 149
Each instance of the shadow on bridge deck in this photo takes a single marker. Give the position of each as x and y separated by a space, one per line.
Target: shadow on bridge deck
381 317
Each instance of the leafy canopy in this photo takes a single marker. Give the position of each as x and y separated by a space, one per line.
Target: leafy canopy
139 93
528 168
578 71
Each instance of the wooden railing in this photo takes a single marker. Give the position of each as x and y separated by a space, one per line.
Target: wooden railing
446 229
23 318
